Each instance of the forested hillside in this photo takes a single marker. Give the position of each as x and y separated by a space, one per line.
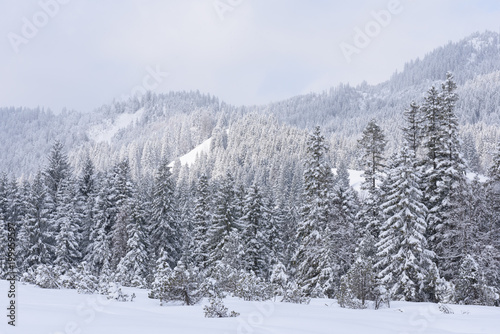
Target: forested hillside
260 213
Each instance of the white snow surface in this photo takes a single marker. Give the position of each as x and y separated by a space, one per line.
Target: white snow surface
65 311
355 178
106 131
190 157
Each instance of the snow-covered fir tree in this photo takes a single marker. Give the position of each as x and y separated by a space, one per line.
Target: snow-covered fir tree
68 239
255 234
312 258
164 227
201 224
443 166
372 145
133 268
224 230
402 248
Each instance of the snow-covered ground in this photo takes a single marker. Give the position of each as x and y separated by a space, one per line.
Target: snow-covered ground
66 311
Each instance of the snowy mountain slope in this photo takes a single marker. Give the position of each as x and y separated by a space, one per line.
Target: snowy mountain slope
105 131
190 157
176 122
41 311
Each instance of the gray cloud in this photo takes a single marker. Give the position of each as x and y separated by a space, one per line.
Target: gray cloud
90 52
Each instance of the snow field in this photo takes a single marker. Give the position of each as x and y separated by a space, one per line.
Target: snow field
65 311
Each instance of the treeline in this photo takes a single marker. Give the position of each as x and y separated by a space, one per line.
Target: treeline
420 230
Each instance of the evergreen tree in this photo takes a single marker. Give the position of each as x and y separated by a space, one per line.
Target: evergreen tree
99 253
37 236
58 168
254 236
444 168
164 226
470 287
402 247
373 145
87 196
201 224
343 227
359 283
182 285
312 256
133 267
224 225
68 238
412 133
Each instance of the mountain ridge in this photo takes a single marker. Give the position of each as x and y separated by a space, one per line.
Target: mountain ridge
172 124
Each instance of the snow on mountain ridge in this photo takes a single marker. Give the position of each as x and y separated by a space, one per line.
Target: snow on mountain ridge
190 157
106 131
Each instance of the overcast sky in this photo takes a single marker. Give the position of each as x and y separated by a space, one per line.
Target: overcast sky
81 54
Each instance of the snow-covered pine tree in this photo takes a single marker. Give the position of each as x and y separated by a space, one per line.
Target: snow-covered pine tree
87 187
372 144
254 234
4 240
4 228
412 132
279 279
312 257
493 185
224 225
164 227
358 285
273 218
161 274
443 166
343 227
491 231
57 170
201 224
402 248
132 270
37 236
68 238
471 288
98 253
183 284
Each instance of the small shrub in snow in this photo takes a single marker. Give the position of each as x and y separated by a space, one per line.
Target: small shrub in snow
251 287
279 280
445 309
295 294
44 276
225 278
346 297
115 292
216 309
181 284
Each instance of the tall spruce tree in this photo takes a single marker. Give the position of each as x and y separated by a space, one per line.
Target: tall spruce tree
68 238
37 235
255 234
312 258
443 167
132 270
402 248
201 224
412 132
164 228
373 145
225 228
